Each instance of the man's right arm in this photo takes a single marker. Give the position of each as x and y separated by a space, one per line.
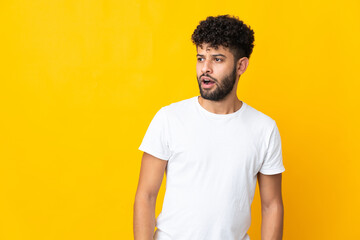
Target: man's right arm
151 175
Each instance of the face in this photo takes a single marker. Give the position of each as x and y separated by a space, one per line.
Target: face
216 72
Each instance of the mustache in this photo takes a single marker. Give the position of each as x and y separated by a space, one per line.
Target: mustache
207 75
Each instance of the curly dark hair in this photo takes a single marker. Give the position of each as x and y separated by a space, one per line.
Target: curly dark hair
225 31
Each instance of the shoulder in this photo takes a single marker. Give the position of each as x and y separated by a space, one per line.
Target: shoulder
178 108
258 119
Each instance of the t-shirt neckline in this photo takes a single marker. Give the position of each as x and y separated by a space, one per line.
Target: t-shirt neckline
218 116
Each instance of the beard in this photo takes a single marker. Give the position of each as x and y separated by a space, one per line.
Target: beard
223 87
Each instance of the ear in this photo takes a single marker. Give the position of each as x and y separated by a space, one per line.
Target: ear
241 65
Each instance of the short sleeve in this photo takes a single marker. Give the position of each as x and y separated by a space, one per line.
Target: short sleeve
155 139
273 161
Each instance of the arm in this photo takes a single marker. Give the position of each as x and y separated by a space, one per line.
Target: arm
272 208
151 175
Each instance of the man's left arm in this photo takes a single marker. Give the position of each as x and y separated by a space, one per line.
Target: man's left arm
272 208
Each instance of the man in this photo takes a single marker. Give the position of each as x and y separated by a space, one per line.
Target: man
213 149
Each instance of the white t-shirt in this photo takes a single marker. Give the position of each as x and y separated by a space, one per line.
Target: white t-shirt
213 162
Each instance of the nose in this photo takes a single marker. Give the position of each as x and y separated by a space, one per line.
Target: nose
206 68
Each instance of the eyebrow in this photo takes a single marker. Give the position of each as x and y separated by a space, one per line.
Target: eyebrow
214 55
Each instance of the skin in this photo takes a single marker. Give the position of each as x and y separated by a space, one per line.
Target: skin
220 65
150 179
272 208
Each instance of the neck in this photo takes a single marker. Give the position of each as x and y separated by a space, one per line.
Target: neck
229 104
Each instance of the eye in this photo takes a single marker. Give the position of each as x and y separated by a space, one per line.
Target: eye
218 60
200 59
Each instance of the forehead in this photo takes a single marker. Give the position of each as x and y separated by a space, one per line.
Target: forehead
207 48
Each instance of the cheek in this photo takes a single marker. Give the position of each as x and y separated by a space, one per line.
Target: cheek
198 70
225 70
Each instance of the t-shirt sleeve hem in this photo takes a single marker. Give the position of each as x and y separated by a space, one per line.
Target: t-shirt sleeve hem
272 171
153 153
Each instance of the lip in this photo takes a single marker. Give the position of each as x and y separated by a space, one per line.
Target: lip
206 78
206 86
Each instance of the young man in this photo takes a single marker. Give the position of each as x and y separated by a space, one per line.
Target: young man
213 149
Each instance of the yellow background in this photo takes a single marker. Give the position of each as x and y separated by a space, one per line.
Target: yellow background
81 81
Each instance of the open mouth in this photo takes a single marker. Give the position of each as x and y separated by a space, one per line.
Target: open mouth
207 83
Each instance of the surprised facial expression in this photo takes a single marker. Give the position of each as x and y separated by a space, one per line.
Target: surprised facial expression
216 72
